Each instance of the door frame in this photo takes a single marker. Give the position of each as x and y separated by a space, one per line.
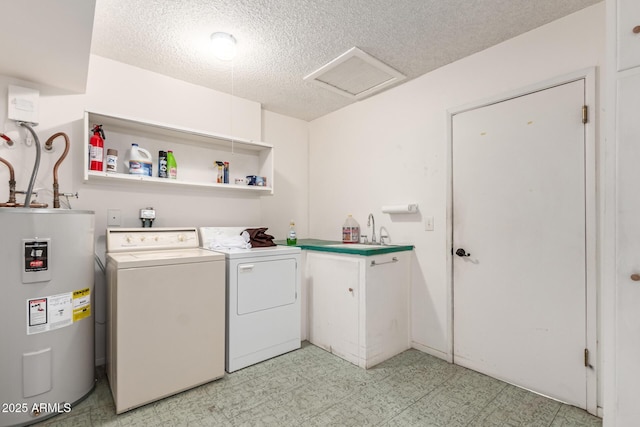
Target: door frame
591 206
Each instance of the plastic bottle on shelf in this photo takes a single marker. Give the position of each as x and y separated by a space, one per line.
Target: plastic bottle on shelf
350 231
225 172
139 161
220 177
292 238
112 160
163 172
172 166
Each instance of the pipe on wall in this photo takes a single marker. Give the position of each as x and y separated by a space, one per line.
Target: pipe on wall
48 145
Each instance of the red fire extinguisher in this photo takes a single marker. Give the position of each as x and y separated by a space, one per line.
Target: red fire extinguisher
96 149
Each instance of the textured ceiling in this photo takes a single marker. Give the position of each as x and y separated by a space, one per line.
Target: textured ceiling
281 41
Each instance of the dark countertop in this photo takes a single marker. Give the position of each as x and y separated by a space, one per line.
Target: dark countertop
347 248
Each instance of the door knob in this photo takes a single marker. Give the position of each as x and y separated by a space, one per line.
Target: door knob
461 252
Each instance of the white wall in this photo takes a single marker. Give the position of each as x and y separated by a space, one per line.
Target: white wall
116 88
289 137
392 148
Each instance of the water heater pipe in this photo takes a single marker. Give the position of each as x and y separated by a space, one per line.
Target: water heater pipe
12 185
48 146
6 138
36 166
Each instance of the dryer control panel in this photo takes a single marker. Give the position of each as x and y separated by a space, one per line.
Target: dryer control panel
145 239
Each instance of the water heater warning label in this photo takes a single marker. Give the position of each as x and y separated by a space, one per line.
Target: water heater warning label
57 311
81 304
49 313
37 311
36 256
36 253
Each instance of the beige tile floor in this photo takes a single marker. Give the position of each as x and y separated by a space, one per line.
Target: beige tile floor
310 387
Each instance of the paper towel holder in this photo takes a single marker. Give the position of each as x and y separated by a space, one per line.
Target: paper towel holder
409 208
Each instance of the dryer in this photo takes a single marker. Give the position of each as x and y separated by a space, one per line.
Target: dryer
263 300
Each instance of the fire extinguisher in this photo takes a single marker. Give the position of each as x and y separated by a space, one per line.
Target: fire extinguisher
96 149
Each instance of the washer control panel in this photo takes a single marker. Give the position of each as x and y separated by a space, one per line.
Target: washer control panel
145 239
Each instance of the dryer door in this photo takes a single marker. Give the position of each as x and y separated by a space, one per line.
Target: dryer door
265 284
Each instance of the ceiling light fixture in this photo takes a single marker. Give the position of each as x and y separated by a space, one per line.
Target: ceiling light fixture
224 46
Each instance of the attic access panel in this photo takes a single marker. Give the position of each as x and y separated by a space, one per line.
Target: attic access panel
355 74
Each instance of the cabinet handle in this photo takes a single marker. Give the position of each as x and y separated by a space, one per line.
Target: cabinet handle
636 29
351 290
635 277
246 267
374 263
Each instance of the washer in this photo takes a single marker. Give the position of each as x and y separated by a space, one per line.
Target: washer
263 300
166 314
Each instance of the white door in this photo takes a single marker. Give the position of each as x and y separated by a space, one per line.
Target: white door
519 216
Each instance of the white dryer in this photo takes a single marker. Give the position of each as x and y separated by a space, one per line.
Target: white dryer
165 321
263 300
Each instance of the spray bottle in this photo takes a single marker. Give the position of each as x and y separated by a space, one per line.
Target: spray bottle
220 178
96 149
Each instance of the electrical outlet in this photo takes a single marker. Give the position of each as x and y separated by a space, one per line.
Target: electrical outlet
428 223
113 217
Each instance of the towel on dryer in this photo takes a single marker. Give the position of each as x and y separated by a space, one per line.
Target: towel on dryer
242 241
259 239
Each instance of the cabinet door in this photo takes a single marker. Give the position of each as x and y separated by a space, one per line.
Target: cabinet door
333 303
628 40
628 249
387 306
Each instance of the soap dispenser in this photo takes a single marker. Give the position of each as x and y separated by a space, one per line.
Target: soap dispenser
292 238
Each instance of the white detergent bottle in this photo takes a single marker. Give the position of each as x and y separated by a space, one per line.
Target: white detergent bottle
350 231
139 161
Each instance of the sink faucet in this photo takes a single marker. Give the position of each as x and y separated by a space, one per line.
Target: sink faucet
384 234
371 222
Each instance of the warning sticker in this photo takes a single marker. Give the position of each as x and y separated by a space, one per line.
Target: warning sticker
81 304
49 313
60 311
37 311
36 256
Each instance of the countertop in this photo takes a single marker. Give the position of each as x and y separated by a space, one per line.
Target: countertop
348 248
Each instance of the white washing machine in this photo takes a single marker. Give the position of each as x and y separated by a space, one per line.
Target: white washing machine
263 300
166 314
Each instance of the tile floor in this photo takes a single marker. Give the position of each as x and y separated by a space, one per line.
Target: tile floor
310 387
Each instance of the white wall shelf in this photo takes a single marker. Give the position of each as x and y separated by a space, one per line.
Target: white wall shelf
195 151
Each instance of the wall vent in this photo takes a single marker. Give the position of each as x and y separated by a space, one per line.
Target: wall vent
355 74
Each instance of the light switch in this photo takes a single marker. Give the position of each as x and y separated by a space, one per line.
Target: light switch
428 223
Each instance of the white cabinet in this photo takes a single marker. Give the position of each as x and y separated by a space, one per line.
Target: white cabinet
628 34
621 317
359 305
333 299
628 242
195 151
